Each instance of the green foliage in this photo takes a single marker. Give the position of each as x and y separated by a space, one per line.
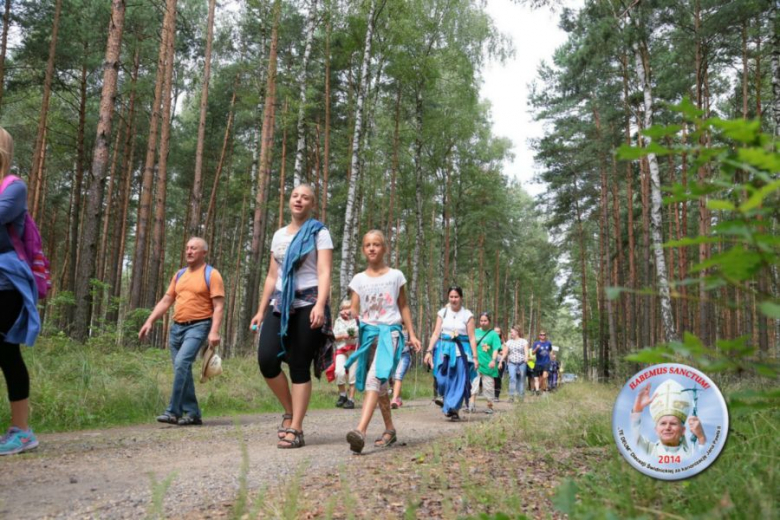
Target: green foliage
748 251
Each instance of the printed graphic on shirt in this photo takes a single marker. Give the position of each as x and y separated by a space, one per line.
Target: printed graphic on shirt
280 251
379 296
670 421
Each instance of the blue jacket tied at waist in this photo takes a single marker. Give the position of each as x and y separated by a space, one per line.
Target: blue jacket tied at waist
448 346
28 324
386 357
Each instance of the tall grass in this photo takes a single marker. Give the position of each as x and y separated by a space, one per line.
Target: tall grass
74 386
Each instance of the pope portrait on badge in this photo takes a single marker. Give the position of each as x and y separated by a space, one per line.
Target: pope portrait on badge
670 410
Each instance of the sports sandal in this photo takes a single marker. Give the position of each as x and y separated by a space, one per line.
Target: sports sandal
387 439
356 441
281 432
296 442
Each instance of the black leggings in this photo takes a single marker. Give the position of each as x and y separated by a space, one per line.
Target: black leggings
15 371
301 344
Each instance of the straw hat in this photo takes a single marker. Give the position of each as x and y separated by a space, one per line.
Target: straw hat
670 400
212 364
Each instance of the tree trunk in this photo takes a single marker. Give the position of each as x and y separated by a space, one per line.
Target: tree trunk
311 23
86 268
4 47
194 225
263 171
347 242
211 212
606 257
145 196
667 316
116 263
583 282
157 249
391 237
107 216
282 169
75 208
775 23
326 145
40 139
419 183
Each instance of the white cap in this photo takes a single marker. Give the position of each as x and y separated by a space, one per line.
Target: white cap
670 400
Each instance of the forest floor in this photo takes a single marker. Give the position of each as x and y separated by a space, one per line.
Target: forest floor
230 467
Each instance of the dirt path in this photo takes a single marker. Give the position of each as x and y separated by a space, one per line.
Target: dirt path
109 473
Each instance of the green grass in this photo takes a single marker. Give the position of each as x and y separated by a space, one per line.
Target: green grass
743 483
74 386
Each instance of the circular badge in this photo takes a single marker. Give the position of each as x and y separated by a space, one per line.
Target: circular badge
670 421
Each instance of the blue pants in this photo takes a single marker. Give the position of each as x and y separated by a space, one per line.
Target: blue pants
453 383
185 342
516 378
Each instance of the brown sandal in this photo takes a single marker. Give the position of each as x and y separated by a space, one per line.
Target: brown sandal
383 442
296 442
356 441
281 432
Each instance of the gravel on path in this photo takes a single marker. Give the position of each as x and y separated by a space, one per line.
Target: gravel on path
111 473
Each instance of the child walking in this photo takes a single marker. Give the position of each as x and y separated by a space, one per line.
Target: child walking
345 333
379 302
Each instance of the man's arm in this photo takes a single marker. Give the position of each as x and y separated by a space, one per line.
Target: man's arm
216 320
161 308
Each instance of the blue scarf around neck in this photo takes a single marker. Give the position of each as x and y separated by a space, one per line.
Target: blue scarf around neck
303 243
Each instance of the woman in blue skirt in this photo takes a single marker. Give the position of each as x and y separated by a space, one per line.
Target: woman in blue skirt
452 354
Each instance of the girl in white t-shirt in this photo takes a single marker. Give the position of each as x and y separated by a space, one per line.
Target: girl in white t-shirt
379 302
452 354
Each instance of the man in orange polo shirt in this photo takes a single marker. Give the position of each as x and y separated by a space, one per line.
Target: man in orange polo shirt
199 294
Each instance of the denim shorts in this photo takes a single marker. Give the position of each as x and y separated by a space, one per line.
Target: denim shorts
403 366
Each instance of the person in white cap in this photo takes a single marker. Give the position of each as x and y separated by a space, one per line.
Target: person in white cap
669 409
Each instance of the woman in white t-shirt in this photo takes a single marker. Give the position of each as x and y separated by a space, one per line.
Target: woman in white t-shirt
379 302
514 358
450 357
294 311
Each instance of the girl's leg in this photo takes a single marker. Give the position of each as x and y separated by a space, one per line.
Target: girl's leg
370 399
17 378
268 349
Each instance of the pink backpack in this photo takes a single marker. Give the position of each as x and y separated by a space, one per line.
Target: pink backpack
30 246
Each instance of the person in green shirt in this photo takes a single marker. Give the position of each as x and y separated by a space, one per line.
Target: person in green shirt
488 347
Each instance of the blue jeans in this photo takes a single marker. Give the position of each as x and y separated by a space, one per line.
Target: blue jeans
185 342
403 366
516 378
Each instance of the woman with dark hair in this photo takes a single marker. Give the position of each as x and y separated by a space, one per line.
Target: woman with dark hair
488 347
294 311
19 320
448 355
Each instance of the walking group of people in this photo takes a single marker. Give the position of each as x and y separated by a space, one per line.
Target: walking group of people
373 332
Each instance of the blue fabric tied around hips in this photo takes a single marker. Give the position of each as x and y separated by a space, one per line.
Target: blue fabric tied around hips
28 325
386 356
448 346
303 243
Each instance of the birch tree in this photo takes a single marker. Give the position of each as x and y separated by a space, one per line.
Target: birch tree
347 241
311 23
667 316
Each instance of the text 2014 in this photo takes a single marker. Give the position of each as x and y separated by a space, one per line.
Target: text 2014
668 459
